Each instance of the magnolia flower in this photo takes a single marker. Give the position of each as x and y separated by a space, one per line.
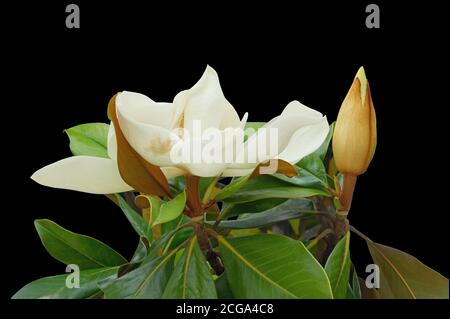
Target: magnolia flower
155 129
355 133
89 174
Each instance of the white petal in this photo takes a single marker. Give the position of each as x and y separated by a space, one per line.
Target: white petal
168 171
140 108
305 141
152 142
171 172
87 174
205 170
294 117
205 102
296 108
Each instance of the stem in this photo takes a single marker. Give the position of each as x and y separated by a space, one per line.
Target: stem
323 234
357 232
347 191
193 198
130 198
221 215
205 246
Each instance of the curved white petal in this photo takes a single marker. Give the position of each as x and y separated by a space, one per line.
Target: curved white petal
171 171
87 174
296 108
153 142
305 141
140 108
204 170
284 135
205 102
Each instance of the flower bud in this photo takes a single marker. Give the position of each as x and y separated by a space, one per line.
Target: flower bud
355 132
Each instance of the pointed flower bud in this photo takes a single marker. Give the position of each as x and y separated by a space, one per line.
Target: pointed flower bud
355 132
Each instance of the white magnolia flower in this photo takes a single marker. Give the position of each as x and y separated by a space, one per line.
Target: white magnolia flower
90 174
149 128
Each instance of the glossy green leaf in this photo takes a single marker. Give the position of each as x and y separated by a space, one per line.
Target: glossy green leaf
141 250
139 224
177 184
181 235
304 179
354 290
338 267
147 281
404 276
283 168
234 186
272 266
266 186
223 287
72 248
203 184
89 139
55 287
314 166
171 210
256 206
312 174
292 208
251 128
191 278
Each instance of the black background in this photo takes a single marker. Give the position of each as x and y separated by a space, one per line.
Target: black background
266 55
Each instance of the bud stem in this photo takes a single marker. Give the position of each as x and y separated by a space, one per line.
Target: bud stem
205 246
347 192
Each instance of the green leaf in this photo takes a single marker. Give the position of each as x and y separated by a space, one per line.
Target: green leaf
272 266
72 248
177 184
55 287
283 168
141 250
312 174
403 276
147 281
181 235
223 287
234 186
139 224
89 139
314 166
266 186
354 291
256 206
338 267
203 184
304 179
171 210
191 278
251 128
292 208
